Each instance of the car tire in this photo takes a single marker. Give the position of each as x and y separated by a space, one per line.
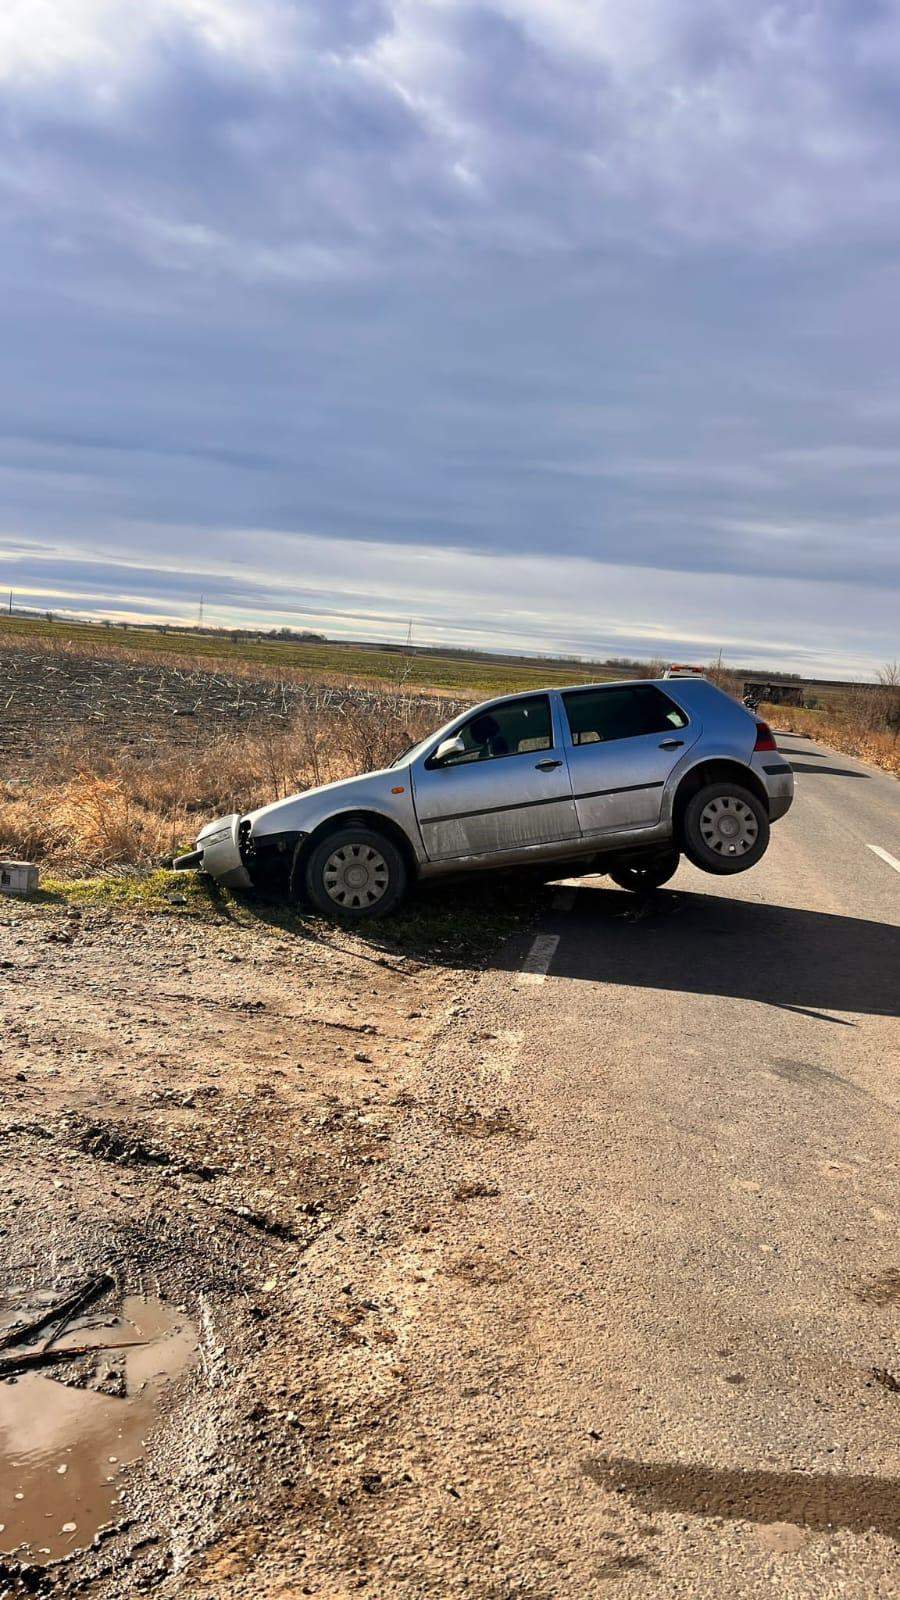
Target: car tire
645 875
355 872
725 829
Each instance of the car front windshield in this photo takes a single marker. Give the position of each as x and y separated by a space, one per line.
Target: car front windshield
418 749
401 760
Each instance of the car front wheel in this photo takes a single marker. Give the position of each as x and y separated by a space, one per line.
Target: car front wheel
726 828
355 872
644 875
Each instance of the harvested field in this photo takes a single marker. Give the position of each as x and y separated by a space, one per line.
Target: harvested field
138 702
428 672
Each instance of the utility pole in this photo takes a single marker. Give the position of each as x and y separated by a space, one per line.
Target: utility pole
405 659
200 613
10 602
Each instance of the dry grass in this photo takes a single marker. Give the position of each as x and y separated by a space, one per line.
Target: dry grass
87 803
864 722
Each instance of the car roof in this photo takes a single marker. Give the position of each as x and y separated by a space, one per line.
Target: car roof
571 688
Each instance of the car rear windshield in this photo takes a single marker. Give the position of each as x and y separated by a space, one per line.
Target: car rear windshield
598 715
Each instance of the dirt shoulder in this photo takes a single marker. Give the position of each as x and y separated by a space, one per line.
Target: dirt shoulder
198 1092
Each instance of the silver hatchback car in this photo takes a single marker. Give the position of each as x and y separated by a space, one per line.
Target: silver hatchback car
617 778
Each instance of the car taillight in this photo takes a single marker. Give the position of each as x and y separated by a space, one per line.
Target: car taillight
765 738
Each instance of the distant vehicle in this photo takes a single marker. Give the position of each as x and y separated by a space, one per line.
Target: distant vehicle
616 778
677 670
776 694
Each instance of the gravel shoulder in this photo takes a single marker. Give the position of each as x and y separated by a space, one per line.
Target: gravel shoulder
198 1096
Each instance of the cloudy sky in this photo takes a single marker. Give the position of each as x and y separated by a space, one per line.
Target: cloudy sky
570 324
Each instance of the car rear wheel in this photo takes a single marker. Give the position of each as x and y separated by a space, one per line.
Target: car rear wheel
726 828
645 873
355 872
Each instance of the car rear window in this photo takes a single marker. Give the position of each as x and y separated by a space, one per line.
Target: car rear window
598 715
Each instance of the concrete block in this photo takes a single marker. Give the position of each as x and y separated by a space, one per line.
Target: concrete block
18 877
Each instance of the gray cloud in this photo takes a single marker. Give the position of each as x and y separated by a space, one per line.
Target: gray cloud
500 280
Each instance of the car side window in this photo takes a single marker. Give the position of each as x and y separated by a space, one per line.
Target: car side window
597 716
506 730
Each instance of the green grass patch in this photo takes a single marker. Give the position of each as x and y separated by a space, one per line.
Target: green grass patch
449 673
158 891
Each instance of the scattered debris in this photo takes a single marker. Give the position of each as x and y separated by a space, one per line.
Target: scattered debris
881 1290
345 1027
29 1360
269 1225
108 1144
127 1149
61 1313
486 1124
18 877
475 1190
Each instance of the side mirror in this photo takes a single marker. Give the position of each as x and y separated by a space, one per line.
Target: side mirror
447 748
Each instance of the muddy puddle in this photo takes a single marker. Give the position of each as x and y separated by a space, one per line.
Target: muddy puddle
66 1440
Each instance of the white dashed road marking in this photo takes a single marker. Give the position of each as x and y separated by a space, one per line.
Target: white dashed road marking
885 856
538 959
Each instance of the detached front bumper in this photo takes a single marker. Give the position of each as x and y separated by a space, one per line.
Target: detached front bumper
219 853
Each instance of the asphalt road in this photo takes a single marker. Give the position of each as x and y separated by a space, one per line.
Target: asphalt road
661 1359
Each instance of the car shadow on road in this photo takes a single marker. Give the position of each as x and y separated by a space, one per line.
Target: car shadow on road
803 961
809 961
836 772
813 1500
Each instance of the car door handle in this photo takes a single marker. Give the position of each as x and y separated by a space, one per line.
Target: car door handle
547 766
671 744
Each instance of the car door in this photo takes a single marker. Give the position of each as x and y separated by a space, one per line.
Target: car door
623 741
505 788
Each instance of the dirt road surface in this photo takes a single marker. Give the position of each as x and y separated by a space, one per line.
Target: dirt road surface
585 1282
